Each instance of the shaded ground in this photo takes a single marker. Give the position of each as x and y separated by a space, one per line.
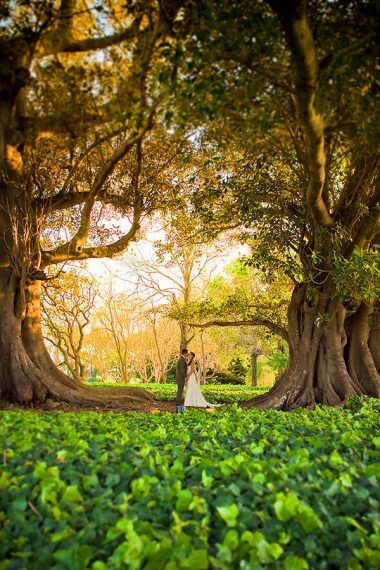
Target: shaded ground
51 405
164 396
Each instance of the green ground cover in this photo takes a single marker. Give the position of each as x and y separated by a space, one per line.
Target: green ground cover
232 489
214 393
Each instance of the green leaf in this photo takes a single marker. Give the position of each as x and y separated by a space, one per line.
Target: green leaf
198 559
376 441
207 480
99 565
293 562
345 479
335 459
268 552
184 500
62 534
231 540
74 558
308 519
286 506
72 495
229 514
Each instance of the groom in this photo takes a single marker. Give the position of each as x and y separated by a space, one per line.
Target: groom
180 375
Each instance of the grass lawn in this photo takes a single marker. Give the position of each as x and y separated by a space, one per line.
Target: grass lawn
215 393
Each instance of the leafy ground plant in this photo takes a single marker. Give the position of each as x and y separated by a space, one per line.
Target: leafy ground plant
234 489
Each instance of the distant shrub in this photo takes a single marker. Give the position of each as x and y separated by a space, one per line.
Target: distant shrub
224 378
237 368
278 361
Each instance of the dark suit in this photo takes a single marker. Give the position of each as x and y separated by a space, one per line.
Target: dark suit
180 375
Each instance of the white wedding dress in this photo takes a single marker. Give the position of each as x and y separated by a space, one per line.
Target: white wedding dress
194 397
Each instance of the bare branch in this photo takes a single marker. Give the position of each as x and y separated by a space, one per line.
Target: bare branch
80 237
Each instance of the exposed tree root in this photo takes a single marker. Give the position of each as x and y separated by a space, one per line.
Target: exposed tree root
28 375
329 360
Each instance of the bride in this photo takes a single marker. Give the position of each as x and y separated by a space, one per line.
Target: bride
194 397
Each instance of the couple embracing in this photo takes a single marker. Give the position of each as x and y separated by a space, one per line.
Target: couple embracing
186 373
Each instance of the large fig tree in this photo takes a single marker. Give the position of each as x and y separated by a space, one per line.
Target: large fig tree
295 137
80 89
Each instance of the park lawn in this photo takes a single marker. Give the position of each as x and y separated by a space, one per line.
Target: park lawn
215 393
230 489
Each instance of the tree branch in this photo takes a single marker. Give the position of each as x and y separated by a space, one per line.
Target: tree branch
82 233
71 199
280 331
66 252
329 60
301 44
61 39
74 248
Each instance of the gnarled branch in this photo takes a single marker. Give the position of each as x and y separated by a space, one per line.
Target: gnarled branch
66 252
61 39
301 44
277 329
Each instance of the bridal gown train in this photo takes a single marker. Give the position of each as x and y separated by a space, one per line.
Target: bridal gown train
194 397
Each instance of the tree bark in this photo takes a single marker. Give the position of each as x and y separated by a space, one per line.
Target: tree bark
28 375
330 355
184 335
254 356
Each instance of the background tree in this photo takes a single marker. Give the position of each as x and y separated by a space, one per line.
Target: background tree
119 318
242 313
68 302
159 340
179 270
140 341
100 352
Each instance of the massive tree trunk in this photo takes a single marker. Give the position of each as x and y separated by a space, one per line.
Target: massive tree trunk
27 374
330 354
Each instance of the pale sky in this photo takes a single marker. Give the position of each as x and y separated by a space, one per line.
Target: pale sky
105 269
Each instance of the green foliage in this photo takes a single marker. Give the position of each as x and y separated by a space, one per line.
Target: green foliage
225 378
237 368
278 361
358 276
225 490
262 175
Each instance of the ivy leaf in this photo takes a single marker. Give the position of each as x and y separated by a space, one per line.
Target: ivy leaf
184 500
74 558
197 559
72 495
376 441
308 519
293 562
286 506
229 514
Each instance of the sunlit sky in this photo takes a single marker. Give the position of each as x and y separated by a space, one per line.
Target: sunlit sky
120 271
